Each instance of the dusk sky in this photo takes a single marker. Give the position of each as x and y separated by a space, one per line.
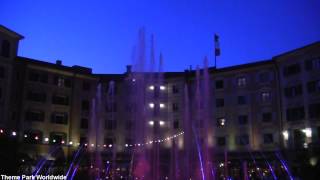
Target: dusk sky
101 34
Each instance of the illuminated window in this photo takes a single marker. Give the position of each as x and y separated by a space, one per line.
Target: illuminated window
265 96
241 82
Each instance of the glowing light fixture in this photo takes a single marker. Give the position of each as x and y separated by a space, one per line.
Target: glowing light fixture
162 88
222 122
54 141
151 105
151 87
36 138
110 145
162 105
285 135
92 145
308 132
14 133
62 142
70 143
25 136
151 123
1 131
161 123
46 139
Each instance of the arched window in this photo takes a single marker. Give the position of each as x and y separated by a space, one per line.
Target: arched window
5 48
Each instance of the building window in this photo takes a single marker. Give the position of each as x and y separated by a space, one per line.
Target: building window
264 77
243 119
58 138
220 102
312 64
313 86
85 105
5 48
129 124
35 115
2 72
60 100
314 110
265 96
242 100
84 123
111 107
221 141
59 118
221 122
62 82
36 96
175 107
291 70
111 124
38 77
241 82
86 86
175 89
219 84
295 114
293 91
242 139
176 124
268 138
266 117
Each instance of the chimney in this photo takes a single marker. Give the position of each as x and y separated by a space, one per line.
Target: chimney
129 69
58 62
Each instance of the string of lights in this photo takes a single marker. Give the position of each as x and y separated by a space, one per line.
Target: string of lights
71 143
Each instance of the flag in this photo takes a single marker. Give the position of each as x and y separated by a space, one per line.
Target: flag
216 45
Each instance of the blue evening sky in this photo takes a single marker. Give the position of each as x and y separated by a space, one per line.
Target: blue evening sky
101 33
